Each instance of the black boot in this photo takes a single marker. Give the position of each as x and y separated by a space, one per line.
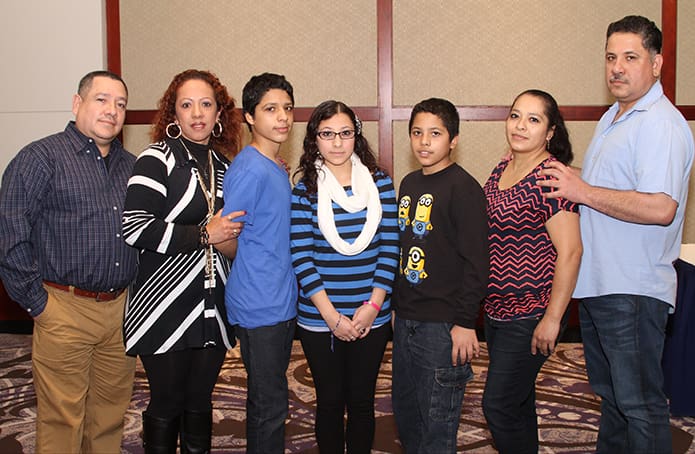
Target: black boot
196 433
160 434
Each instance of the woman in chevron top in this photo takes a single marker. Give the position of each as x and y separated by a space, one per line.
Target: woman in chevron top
344 240
176 321
535 250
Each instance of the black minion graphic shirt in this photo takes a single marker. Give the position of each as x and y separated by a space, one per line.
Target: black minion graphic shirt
444 260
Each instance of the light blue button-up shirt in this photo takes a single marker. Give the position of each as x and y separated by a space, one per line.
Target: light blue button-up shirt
648 149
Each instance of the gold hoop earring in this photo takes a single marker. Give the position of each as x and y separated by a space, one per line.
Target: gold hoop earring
171 136
218 123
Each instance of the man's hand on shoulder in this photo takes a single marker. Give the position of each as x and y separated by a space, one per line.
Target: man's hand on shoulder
564 181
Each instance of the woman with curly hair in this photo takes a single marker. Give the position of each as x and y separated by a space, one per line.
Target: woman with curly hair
344 241
176 320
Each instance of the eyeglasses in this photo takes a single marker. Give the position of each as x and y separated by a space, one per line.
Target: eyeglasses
331 135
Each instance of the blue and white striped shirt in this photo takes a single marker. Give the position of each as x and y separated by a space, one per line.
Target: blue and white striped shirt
348 280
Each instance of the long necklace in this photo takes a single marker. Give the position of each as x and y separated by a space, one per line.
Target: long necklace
209 194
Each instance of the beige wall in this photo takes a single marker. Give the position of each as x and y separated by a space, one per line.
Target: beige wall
485 52
325 48
472 52
45 48
685 53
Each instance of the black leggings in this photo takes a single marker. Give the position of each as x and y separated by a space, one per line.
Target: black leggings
182 380
345 378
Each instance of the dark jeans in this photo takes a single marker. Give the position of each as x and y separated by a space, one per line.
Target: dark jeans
427 390
182 380
623 342
266 355
345 378
509 400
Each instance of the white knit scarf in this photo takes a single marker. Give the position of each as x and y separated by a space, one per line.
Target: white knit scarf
365 194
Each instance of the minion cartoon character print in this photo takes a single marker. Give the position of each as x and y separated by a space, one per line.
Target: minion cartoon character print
414 271
403 213
421 222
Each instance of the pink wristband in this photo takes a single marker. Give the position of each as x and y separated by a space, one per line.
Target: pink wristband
373 304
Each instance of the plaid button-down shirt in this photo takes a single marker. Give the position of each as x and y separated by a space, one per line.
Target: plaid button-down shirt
60 218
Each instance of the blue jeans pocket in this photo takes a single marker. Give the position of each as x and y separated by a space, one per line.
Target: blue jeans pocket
448 388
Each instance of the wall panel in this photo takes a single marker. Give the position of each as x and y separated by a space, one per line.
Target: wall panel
689 227
46 47
685 70
325 48
484 53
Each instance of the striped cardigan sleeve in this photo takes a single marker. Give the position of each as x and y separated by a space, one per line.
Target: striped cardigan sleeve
146 222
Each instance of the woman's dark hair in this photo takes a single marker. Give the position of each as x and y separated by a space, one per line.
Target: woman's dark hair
560 145
307 171
229 141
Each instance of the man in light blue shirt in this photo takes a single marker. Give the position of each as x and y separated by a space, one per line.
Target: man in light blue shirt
633 190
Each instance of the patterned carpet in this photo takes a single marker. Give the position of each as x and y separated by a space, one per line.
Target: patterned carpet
568 411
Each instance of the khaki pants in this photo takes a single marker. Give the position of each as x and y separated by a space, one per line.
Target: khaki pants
82 376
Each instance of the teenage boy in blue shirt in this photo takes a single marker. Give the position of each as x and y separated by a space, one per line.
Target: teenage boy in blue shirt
261 293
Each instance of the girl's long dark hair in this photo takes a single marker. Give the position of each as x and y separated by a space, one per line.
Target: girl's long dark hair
307 171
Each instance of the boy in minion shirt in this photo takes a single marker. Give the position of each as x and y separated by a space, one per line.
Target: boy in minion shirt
443 279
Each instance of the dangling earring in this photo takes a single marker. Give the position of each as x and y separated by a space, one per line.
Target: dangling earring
547 144
218 123
170 135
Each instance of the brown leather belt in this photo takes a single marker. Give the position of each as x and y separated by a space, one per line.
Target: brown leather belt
98 296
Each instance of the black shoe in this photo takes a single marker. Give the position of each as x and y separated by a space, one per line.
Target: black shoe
196 432
160 434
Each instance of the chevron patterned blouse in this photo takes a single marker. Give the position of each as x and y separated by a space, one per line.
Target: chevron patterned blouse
522 256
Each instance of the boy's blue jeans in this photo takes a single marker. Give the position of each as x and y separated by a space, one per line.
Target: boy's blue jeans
623 339
266 355
427 390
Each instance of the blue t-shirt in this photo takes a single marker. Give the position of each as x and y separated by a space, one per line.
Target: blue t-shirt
648 149
262 288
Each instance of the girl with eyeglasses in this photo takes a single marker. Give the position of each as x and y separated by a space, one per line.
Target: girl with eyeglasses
344 240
